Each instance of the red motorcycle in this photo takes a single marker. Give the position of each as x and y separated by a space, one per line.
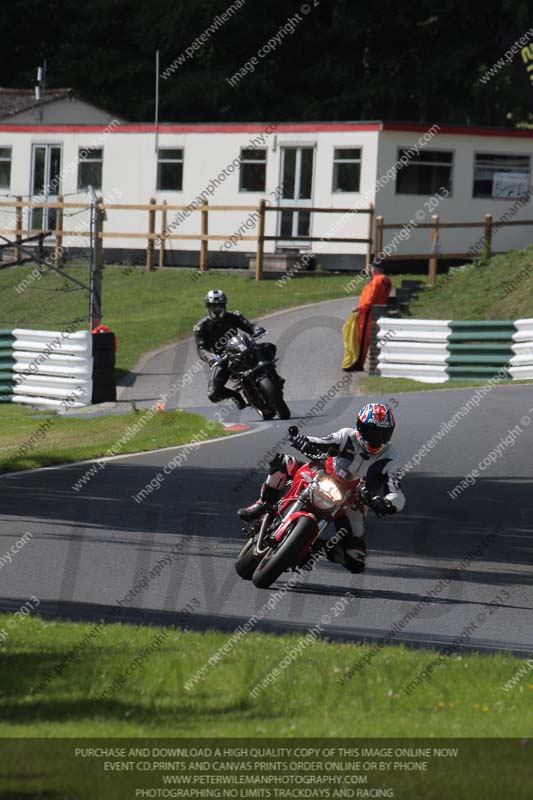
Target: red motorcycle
320 491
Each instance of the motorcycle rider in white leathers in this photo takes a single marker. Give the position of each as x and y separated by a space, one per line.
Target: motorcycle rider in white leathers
373 459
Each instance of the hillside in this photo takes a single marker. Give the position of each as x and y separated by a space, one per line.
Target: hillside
501 288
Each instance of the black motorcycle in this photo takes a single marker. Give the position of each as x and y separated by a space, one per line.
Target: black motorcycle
253 372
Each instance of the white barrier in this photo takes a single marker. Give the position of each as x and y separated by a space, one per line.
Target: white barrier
52 369
413 330
75 366
522 347
413 348
77 343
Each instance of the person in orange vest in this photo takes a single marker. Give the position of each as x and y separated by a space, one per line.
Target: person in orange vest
376 292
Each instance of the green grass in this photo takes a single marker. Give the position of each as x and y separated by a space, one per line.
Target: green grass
374 384
482 290
463 698
148 310
52 439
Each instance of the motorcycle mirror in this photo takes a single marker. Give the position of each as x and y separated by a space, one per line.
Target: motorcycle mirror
293 431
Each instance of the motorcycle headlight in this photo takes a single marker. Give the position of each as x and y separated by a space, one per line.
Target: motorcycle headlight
326 494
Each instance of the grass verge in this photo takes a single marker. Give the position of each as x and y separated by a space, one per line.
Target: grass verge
375 384
31 439
149 310
98 691
497 289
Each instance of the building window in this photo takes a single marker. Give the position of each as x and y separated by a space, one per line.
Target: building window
346 169
5 167
169 170
425 173
253 170
501 176
90 160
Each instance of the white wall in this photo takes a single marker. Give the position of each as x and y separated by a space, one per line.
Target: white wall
130 166
461 206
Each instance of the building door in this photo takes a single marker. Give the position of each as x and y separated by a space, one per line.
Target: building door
297 190
45 184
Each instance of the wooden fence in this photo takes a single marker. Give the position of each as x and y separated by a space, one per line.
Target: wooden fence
163 233
488 225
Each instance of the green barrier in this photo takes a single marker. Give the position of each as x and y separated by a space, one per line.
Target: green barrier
479 349
6 392
7 361
472 372
481 337
482 324
481 360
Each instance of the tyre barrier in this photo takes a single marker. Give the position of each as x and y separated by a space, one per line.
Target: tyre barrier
413 348
435 351
56 369
521 364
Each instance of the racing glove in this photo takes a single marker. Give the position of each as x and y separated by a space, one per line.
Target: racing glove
300 442
380 506
259 331
213 360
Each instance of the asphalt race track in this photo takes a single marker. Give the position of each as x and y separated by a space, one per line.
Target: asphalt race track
90 547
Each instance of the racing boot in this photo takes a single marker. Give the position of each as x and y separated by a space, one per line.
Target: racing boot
350 553
239 401
267 502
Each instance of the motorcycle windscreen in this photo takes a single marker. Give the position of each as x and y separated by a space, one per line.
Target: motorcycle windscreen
340 465
342 459
238 344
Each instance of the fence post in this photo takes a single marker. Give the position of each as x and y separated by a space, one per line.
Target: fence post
434 256
204 246
488 235
163 234
95 290
369 235
151 231
379 235
259 258
18 225
100 217
59 238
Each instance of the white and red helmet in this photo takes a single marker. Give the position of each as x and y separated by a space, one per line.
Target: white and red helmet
375 426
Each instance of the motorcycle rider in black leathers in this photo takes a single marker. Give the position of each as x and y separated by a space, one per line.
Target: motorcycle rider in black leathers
212 333
372 458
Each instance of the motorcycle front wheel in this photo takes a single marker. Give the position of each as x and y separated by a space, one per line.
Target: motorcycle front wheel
274 396
275 562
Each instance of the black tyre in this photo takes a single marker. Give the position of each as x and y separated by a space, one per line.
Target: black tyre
274 396
247 562
277 561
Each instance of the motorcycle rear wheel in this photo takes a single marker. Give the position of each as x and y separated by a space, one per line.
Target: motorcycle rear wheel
247 562
283 557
